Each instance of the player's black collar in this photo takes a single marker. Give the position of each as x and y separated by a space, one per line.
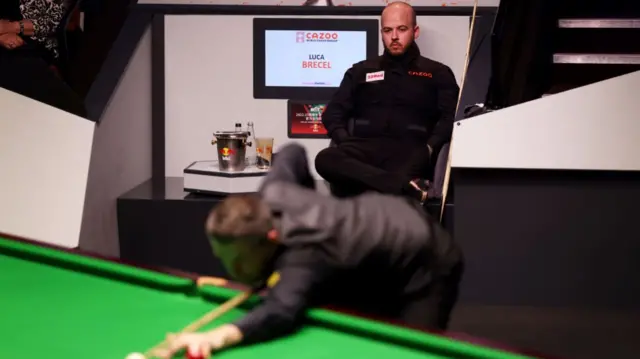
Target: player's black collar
270 267
405 59
272 264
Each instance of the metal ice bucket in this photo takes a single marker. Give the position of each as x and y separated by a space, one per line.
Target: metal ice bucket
232 146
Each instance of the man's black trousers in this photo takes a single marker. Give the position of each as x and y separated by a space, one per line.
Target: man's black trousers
383 165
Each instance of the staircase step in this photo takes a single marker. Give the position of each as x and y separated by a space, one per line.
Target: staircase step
570 75
603 23
600 59
598 9
597 40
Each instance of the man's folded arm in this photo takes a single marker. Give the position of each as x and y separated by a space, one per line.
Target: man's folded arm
291 167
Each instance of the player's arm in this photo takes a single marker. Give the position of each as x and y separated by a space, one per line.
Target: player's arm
285 305
290 167
340 108
448 91
280 312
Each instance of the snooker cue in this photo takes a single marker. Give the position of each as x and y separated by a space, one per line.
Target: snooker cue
207 318
447 172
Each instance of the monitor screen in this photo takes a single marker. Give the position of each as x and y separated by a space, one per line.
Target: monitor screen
305 59
313 58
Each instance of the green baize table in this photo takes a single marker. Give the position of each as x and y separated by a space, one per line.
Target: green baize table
61 305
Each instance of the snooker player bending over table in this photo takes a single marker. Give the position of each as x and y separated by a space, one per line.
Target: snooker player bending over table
326 251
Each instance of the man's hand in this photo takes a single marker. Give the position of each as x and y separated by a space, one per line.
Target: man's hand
201 344
11 41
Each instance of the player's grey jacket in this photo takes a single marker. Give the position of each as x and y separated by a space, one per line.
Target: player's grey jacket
344 247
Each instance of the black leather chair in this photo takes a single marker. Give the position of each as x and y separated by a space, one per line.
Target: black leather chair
439 171
350 124
63 41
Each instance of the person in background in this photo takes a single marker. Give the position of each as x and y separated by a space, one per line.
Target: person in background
402 106
29 50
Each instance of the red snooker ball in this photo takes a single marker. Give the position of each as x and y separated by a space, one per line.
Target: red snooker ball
191 355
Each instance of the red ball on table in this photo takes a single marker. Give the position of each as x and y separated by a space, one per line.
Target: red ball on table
191 355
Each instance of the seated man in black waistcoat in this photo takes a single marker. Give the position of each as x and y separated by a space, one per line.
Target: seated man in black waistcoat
402 105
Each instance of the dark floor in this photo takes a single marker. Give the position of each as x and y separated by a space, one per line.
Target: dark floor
562 333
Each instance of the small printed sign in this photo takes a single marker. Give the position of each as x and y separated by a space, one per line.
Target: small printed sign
305 119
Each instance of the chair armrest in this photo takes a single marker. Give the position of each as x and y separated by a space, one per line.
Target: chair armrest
440 169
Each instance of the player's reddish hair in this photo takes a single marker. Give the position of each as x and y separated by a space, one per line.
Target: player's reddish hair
239 216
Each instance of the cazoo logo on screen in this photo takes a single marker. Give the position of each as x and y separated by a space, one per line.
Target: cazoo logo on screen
317 36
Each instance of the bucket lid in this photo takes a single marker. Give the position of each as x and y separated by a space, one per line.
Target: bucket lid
231 134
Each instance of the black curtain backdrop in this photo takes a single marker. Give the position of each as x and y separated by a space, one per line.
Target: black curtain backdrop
522 51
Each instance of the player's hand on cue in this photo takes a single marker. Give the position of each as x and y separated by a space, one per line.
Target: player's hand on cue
200 345
196 345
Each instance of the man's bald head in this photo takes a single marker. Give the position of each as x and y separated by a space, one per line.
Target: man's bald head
399 27
402 8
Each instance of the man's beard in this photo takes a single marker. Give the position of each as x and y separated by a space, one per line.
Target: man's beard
397 51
